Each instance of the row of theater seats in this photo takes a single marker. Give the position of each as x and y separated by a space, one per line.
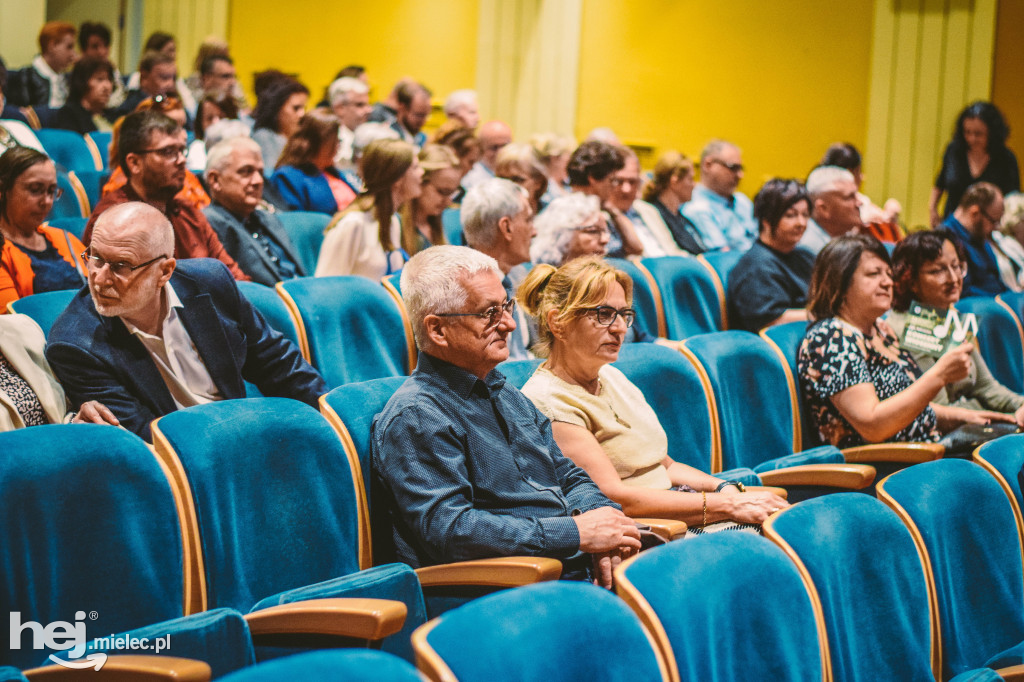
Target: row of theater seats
266 513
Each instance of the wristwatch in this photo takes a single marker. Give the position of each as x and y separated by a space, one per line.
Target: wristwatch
738 485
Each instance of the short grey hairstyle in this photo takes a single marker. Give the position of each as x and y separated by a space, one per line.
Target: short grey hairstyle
556 225
368 133
433 282
225 129
826 179
339 90
1013 212
714 148
458 99
218 157
484 205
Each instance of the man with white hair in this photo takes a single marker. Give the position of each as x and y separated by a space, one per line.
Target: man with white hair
462 106
150 334
494 135
350 102
255 238
469 464
835 208
723 216
497 220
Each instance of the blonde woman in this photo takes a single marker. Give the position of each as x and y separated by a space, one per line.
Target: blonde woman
421 217
520 164
672 187
365 239
554 151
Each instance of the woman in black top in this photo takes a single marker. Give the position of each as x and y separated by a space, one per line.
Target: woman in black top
92 82
671 188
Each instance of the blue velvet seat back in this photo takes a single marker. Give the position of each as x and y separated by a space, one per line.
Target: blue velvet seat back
547 631
451 221
9 674
44 308
272 307
1006 455
970 533
518 372
102 142
852 544
67 148
788 338
733 608
306 230
67 206
722 262
273 493
321 666
354 328
92 182
688 295
643 296
75 226
395 280
1015 300
998 340
88 524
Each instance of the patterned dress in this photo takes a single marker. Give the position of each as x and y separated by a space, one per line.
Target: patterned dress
835 355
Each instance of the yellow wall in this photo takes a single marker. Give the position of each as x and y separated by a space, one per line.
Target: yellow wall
434 41
1008 71
782 80
20 21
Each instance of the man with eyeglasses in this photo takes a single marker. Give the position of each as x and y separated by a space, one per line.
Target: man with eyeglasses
723 216
151 151
494 135
835 207
469 464
150 334
648 224
972 223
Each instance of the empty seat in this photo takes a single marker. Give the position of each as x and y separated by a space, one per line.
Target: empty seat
646 298
70 150
689 299
306 230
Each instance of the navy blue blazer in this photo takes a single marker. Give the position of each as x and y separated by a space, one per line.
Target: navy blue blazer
304 188
97 358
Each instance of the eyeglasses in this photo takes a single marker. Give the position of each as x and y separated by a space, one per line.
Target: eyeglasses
619 182
605 315
170 153
493 315
954 271
592 230
991 219
731 167
119 269
39 191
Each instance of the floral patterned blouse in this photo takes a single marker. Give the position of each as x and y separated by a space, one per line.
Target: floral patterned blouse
835 355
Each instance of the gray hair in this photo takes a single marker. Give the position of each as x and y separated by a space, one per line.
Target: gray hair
219 156
338 91
714 148
433 282
556 225
826 179
458 99
368 133
1013 212
225 129
484 205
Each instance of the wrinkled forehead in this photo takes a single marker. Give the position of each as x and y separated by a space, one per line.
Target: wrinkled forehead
483 290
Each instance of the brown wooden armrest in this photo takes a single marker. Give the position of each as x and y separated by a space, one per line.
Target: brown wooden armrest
357 618
908 453
669 529
129 669
781 492
497 572
1013 672
849 476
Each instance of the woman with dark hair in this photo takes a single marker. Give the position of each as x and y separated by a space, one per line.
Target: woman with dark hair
280 105
35 257
769 284
212 108
861 387
929 268
306 177
92 82
977 153
882 222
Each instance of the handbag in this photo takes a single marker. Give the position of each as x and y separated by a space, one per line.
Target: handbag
963 440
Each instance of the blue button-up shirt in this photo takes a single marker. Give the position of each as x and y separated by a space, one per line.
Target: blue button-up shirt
722 223
982 269
474 472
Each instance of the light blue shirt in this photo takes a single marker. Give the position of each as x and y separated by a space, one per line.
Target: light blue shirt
722 223
815 237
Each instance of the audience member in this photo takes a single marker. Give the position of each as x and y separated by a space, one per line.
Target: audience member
164 43
212 108
459 483
91 83
151 154
386 111
413 109
723 216
35 257
670 188
350 101
553 151
835 208
151 335
882 222
647 224
305 175
591 170
600 420
156 78
519 163
255 238
977 153
972 224
462 106
94 41
1008 241
44 83
570 227
213 72
494 135
465 144
365 135
279 108
366 239
497 220
860 386
929 267
421 216
8 112
768 285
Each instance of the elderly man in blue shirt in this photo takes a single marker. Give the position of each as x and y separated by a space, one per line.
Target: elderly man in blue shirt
470 464
723 216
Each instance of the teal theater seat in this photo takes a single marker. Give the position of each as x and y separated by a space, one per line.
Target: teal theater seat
306 230
1004 459
646 297
999 339
689 297
44 308
70 150
329 666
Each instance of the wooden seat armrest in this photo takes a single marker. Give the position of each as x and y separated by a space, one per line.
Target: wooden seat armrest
1013 672
356 618
848 476
669 529
781 492
497 572
908 453
127 669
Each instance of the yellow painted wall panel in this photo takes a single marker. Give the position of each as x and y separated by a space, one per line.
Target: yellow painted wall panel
1008 70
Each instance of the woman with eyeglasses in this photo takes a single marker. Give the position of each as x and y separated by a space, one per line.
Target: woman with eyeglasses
421 217
600 419
365 239
929 268
570 227
35 257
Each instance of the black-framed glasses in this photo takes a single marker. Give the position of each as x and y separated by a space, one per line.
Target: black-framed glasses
593 230
120 268
167 153
493 314
731 167
605 315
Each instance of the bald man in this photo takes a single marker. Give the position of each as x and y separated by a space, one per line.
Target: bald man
150 335
494 135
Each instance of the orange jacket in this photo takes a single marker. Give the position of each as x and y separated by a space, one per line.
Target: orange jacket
16 273
192 192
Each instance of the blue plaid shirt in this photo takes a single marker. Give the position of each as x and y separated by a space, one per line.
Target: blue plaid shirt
474 472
